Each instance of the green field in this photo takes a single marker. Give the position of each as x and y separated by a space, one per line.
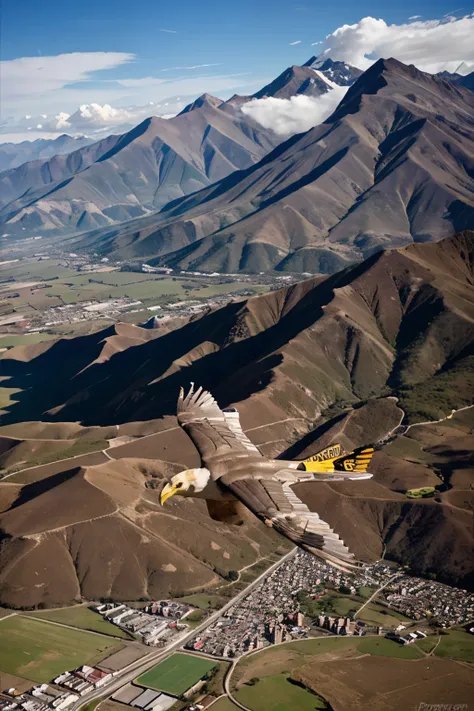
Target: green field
380 615
272 668
82 618
381 647
36 650
276 693
284 658
72 286
377 646
176 674
365 591
24 339
428 643
456 645
343 605
420 493
35 269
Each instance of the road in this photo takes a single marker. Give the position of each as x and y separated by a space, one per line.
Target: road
374 595
142 665
227 690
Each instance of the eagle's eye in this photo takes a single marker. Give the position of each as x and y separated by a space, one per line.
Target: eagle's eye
179 485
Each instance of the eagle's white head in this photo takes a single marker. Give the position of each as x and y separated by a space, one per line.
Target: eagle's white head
186 483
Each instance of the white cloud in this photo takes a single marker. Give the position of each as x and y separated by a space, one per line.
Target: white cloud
94 116
89 119
157 97
194 66
313 44
293 43
431 45
300 113
33 77
414 17
56 86
171 32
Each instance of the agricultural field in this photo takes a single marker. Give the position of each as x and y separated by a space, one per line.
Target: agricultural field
283 658
36 650
364 683
83 618
349 674
29 288
41 285
176 674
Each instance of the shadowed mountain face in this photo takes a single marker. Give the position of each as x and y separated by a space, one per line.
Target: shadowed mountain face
307 365
467 82
122 177
402 321
393 165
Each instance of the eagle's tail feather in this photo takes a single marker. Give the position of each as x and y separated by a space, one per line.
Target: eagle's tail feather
348 466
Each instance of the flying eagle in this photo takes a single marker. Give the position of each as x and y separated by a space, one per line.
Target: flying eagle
234 470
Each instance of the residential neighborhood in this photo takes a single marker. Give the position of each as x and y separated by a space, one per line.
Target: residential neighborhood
272 612
418 598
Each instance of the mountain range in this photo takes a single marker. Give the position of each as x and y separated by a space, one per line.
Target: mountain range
394 164
122 177
14 154
345 358
213 190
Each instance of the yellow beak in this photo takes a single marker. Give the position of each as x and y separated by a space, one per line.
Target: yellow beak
167 492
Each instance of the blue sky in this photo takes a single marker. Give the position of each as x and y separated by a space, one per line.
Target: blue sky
126 58
239 35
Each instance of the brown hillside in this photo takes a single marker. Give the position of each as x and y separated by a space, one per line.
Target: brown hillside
353 358
403 321
49 548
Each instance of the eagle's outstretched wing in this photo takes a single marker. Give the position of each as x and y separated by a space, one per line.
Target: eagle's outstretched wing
264 486
215 433
273 499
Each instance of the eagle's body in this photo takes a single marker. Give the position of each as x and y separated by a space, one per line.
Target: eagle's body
234 472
